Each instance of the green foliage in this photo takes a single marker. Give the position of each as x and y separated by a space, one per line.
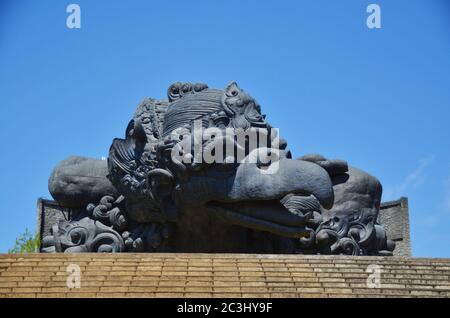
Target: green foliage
26 243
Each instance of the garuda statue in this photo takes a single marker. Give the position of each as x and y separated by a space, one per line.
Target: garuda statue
159 190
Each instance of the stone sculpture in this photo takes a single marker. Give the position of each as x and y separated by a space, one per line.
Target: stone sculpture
153 195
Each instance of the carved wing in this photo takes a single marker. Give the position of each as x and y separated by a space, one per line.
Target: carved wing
122 156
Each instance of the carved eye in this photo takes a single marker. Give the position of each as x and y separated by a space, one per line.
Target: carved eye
232 90
77 236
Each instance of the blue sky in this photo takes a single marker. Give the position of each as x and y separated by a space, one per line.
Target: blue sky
379 98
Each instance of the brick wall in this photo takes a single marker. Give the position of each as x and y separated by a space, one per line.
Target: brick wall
394 215
49 213
221 275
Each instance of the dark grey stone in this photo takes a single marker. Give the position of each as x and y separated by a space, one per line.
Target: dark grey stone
147 199
49 212
77 181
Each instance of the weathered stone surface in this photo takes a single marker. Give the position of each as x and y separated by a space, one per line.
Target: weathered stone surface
49 213
77 181
169 186
394 215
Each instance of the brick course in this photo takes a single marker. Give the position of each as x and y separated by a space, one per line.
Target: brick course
220 275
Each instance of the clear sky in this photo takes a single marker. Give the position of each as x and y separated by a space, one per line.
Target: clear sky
379 98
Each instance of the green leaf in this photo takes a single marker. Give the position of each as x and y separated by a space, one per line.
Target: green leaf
26 243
